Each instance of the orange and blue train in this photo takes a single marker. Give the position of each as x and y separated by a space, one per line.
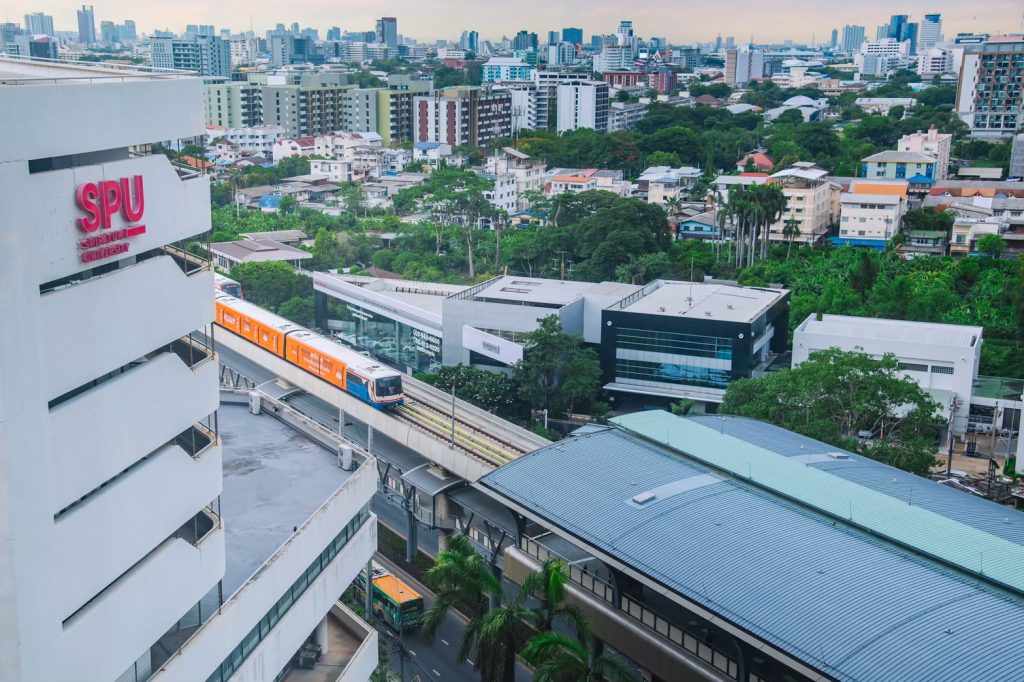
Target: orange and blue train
360 376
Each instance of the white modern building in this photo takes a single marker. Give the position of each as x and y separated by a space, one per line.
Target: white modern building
935 61
582 105
871 212
879 57
256 140
942 358
205 55
115 563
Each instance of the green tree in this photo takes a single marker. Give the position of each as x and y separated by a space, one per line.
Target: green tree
790 231
547 587
287 205
991 245
557 658
864 277
550 356
582 376
327 250
835 394
271 284
298 309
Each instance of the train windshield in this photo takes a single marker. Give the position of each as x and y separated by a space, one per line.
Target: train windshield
389 386
232 289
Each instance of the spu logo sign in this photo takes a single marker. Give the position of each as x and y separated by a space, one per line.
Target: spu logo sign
112 211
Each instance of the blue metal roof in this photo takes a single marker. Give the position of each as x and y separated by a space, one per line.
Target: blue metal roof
849 602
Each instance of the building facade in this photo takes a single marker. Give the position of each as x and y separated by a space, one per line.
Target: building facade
871 213
990 91
205 55
233 105
902 165
498 69
931 143
582 105
463 115
811 200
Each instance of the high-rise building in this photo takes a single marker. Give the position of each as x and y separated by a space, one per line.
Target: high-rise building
900 30
525 40
205 55
334 33
109 34
853 38
835 38
86 25
233 104
128 32
625 36
989 96
1017 157
243 50
571 34
463 115
470 41
743 65
201 30
930 33
38 23
387 31
582 105
882 32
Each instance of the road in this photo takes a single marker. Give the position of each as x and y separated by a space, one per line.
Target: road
430 661
437 660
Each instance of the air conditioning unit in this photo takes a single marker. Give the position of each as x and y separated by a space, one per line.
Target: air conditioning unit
254 402
345 457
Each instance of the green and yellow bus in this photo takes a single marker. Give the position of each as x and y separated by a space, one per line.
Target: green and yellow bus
394 602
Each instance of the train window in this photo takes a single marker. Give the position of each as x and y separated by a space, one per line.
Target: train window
356 379
388 386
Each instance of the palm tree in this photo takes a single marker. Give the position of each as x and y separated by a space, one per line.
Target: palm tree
790 230
547 586
460 577
495 639
557 658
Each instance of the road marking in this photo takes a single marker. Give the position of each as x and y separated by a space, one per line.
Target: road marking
445 642
412 652
435 672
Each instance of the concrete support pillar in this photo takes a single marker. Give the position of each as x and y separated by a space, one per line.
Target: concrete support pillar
341 422
442 542
369 592
411 541
369 439
320 635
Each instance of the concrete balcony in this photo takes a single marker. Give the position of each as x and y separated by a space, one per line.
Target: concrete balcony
131 614
351 654
103 431
116 526
154 299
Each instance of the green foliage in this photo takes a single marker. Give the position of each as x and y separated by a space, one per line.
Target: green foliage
556 369
834 395
271 284
490 391
991 245
928 218
298 309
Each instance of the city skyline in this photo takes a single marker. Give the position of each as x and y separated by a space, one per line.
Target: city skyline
742 18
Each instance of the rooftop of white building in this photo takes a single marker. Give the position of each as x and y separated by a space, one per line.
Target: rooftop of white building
699 300
16 70
274 479
532 291
874 329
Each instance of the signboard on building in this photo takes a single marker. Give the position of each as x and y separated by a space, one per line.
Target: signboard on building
427 344
492 346
112 211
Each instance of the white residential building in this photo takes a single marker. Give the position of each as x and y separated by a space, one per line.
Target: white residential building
871 211
942 358
293 146
433 154
879 57
115 564
257 140
812 200
614 58
882 105
582 105
244 51
504 195
528 172
936 61
336 170
344 145
930 142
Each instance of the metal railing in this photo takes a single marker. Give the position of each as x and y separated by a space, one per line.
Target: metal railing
474 290
119 72
189 263
199 526
637 610
191 349
196 439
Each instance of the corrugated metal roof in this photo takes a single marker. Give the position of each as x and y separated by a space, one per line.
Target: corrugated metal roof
847 602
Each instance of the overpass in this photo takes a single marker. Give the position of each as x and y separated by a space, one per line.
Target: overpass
458 437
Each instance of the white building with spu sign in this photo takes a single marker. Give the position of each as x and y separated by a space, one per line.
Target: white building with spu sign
116 563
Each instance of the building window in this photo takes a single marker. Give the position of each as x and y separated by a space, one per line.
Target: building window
913 367
940 369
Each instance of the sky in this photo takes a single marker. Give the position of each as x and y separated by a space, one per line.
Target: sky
681 22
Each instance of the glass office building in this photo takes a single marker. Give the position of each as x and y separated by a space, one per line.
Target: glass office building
390 340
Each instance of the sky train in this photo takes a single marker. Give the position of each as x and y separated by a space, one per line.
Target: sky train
360 376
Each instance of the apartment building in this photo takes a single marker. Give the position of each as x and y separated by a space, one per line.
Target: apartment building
582 105
498 69
743 65
879 57
871 212
528 172
990 91
256 140
811 200
464 115
205 55
931 143
233 105
310 104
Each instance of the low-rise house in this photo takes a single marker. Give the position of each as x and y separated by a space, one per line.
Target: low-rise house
295 146
759 161
559 180
528 172
432 154
871 212
337 170
882 105
227 255
917 168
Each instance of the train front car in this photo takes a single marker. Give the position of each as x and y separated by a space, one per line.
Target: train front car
353 373
385 386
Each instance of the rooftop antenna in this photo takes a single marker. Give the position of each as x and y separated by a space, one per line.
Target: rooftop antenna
691 281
